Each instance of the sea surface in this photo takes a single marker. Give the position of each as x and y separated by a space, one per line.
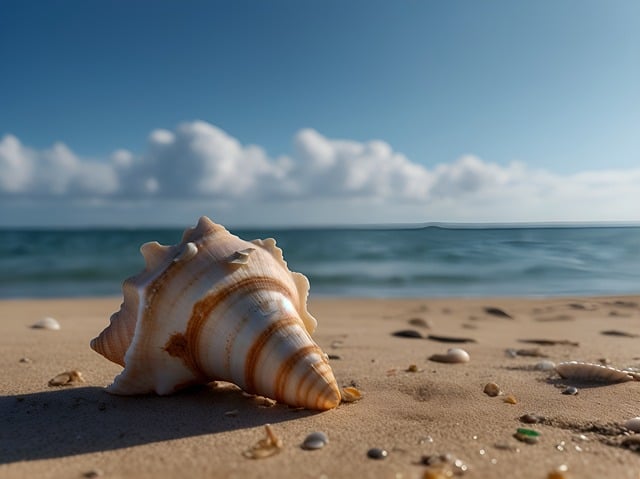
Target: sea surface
426 262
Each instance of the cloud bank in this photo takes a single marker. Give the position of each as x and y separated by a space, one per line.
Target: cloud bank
199 162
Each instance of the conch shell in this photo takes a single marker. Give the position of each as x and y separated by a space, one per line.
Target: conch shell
216 307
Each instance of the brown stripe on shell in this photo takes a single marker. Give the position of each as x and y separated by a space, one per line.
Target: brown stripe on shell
327 381
258 345
203 308
285 369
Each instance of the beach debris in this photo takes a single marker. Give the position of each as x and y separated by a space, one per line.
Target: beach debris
351 394
583 306
529 352
615 332
453 355
25 360
590 372
437 473
335 357
492 310
550 342
420 323
532 418
377 453
570 391
492 389
446 464
506 446
232 311
545 365
263 401
632 443
67 378
632 424
413 368
559 472
625 304
266 447
510 399
528 436
450 339
315 440
407 333
93 473
48 323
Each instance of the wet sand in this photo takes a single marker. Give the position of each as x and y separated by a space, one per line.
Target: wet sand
414 408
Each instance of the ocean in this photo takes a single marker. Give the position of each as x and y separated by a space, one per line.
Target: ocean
382 262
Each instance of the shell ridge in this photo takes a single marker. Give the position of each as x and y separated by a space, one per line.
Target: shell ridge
288 365
203 309
258 345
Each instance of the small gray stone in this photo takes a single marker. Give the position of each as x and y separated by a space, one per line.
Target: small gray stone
377 453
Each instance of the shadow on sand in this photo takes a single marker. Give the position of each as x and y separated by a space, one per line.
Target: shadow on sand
80 420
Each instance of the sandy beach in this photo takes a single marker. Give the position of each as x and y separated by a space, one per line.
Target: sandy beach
414 408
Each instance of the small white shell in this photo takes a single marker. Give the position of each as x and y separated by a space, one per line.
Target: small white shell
545 365
633 424
592 372
454 355
47 323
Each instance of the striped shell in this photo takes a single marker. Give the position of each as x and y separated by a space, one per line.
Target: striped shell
216 307
592 372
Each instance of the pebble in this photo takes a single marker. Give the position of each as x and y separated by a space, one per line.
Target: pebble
47 323
633 424
570 391
67 378
454 355
407 333
315 440
497 312
420 322
25 360
377 453
531 418
510 399
492 390
93 473
545 365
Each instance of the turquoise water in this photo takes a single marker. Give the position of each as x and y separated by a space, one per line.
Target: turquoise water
430 261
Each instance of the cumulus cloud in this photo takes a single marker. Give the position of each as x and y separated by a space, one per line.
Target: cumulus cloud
198 161
55 172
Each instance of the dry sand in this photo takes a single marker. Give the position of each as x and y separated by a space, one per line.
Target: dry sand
76 431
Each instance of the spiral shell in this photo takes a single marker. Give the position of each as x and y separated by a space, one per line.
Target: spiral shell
216 307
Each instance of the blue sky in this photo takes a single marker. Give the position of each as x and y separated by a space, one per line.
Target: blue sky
319 112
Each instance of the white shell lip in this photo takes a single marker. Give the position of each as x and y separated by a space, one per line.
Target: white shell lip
216 307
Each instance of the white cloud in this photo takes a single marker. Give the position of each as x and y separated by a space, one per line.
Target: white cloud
55 172
366 182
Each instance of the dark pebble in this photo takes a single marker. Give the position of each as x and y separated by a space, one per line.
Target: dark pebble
531 419
570 391
407 333
377 453
497 312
